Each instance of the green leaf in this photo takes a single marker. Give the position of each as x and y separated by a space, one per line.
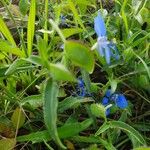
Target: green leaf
93 139
35 137
2 71
34 100
18 118
98 110
5 31
7 144
80 55
71 31
31 26
23 6
71 129
66 131
129 129
60 73
70 102
34 60
103 128
14 66
50 110
142 148
5 46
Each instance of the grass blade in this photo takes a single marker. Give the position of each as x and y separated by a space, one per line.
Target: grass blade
31 26
5 31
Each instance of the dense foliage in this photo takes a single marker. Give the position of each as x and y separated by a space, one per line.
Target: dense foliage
74 74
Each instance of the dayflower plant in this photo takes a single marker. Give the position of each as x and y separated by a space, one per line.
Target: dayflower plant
114 98
105 48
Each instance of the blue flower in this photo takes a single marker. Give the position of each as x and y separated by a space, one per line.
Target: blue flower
106 48
81 88
105 101
121 101
99 26
118 99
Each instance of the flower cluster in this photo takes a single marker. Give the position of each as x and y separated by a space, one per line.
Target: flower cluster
114 98
105 48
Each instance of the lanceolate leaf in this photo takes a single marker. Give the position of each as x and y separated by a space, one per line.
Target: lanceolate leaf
129 129
80 55
50 110
66 131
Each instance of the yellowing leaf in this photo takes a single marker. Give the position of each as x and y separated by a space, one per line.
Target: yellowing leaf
7 144
18 118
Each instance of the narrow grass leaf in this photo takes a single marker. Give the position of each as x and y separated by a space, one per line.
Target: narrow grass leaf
31 26
5 31
50 110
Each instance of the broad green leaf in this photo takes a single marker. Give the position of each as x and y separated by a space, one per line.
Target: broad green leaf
70 102
71 31
5 46
98 110
14 66
18 118
50 110
5 31
66 131
7 144
34 100
80 55
129 129
60 73
71 129
31 26
23 6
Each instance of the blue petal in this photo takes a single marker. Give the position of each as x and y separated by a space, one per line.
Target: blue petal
107 111
99 25
80 83
108 93
121 101
107 54
105 101
100 50
114 50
